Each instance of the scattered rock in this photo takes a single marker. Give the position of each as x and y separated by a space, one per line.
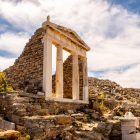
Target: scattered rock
9 134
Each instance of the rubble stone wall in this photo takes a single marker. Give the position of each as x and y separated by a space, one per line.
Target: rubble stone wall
29 65
21 104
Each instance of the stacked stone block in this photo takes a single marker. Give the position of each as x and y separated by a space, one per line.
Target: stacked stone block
28 68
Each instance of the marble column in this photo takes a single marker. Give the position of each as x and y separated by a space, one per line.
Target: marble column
75 77
85 80
47 66
59 72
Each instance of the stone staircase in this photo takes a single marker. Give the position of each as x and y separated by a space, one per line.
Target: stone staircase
33 115
44 127
48 120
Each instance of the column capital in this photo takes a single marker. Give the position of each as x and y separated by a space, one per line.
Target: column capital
45 38
75 59
84 58
59 46
74 54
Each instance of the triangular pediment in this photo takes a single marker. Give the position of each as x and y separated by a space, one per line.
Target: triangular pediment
68 32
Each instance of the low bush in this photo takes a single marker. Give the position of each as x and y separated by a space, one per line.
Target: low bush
3 83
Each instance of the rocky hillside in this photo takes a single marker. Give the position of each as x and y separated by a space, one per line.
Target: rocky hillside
100 119
108 102
113 99
97 121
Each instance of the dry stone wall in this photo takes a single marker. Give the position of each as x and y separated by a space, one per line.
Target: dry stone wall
29 66
27 71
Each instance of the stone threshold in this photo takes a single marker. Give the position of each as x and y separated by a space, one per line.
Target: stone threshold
47 117
64 100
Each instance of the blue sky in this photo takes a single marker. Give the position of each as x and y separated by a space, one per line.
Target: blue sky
110 27
131 5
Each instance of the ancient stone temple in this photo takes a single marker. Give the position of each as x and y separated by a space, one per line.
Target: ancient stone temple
35 64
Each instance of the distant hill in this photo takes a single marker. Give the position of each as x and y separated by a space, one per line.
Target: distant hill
116 99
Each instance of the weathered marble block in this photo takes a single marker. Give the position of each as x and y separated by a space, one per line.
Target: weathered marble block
6 125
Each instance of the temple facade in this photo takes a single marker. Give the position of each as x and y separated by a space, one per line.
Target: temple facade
35 64
68 40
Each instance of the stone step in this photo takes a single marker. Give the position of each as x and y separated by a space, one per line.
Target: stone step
78 116
30 111
44 126
87 135
26 104
40 108
23 100
56 119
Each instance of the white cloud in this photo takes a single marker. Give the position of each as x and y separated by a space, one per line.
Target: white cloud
128 78
25 14
111 31
6 62
13 43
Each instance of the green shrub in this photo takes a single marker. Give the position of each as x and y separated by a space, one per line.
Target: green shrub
121 113
27 137
102 97
3 83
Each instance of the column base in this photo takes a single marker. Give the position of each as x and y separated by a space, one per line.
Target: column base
67 100
50 98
